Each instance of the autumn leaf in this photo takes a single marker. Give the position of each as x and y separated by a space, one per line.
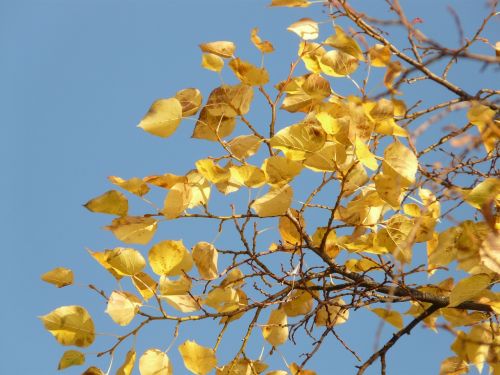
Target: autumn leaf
59 276
163 117
197 359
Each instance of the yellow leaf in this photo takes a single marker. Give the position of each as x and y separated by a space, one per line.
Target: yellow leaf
390 316
468 288
165 181
93 371
177 200
396 238
205 257
299 140
248 175
483 193
59 276
290 3
200 189
394 69
305 28
70 325
213 127
263 46
197 359
338 64
177 287
134 185
243 366
345 43
331 247
244 146
311 53
248 73
332 313
361 265
170 258
389 189
71 358
221 48
484 118
128 365
183 303
275 202
101 257
288 231
453 366
329 158
125 261
300 302
365 156
489 252
111 202
190 100
122 307
163 117
280 170
400 163
356 178
211 171
380 55
275 331
234 278
155 362
134 229
144 284
229 101
294 368
212 62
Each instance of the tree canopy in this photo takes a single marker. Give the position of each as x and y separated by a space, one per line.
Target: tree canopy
325 203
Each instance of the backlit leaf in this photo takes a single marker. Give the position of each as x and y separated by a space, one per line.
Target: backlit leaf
380 55
177 200
163 117
332 313
400 162
468 288
59 277
134 185
221 48
144 284
305 28
338 64
122 307
134 229
290 3
280 170
275 331
343 42
263 46
390 316
190 100
70 325
170 258
71 358
212 62
244 146
197 359
128 365
155 362
205 257
274 203
248 73
112 202
125 261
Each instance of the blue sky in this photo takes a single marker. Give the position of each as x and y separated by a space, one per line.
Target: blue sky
76 78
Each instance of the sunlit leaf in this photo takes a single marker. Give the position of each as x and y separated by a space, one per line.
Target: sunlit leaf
305 28
134 185
71 358
248 73
212 62
263 46
345 43
338 64
163 117
197 359
155 362
70 325
221 48
168 287
177 200
112 202
483 193
299 140
128 364
275 331
144 284
190 100
280 170
275 202
170 258
122 307
400 163
183 303
59 276
380 55
469 288
290 3
134 229
390 316
125 261
205 257
332 313
453 366
244 146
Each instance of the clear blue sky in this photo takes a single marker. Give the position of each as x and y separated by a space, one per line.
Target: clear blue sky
76 77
